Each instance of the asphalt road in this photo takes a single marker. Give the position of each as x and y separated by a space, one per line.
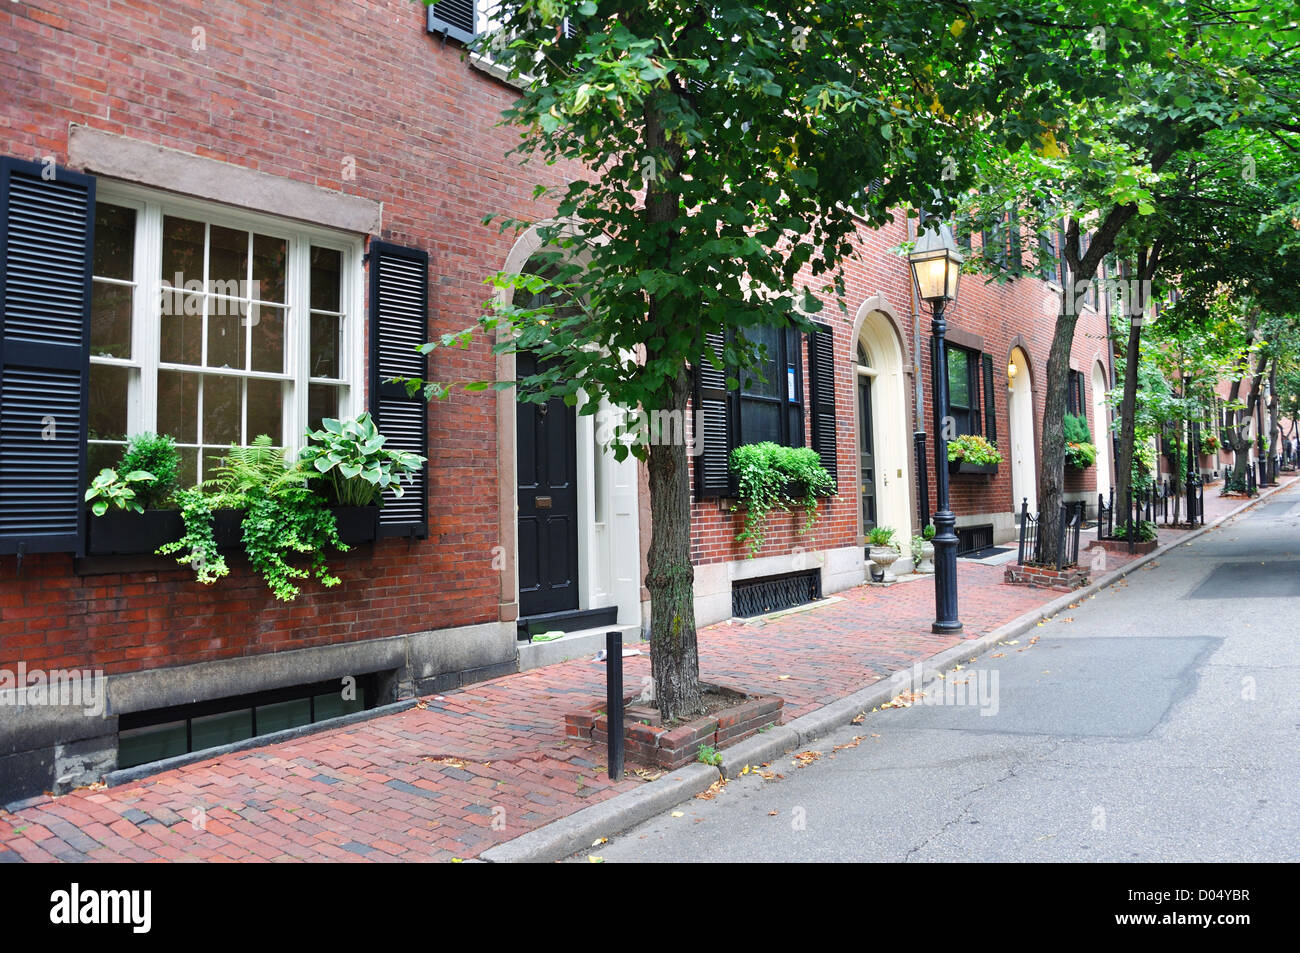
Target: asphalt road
1157 721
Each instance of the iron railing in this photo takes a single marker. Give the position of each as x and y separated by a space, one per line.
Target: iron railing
1068 530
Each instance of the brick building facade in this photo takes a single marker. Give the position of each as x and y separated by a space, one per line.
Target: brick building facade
315 147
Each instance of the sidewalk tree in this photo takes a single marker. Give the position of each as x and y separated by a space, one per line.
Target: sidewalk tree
732 149
1220 71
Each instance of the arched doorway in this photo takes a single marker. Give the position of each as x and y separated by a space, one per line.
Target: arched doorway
575 559
1101 428
884 437
1020 411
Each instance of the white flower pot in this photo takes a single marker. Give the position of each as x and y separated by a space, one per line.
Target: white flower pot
884 557
927 557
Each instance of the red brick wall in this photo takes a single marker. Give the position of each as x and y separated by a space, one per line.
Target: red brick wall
290 89
1000 314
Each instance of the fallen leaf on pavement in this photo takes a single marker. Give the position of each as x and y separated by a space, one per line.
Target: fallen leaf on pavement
714 790
805 758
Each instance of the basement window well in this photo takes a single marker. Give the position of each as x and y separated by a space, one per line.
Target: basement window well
148 736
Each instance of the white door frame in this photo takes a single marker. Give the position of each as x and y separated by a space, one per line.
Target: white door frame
1101 428
891 432
1020 424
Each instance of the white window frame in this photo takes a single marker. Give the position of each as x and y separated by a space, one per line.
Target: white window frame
151 206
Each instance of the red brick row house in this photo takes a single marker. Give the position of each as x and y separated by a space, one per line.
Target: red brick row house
339 159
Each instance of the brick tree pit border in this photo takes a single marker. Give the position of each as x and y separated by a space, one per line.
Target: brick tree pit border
1047 577
670 748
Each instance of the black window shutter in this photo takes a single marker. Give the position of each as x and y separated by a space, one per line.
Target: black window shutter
713 415
821 389
453 18
46 243
399 324
990 411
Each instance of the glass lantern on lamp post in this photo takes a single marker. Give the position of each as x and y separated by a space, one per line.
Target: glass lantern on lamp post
936 270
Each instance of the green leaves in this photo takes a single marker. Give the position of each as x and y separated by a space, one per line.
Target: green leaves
772 477
108 489
349 460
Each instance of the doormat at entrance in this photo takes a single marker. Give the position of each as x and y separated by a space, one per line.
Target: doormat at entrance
985 553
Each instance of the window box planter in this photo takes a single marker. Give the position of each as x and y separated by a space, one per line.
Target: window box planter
357 524
124 533
956 467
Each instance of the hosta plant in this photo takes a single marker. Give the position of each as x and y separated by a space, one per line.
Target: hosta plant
348 462
126 492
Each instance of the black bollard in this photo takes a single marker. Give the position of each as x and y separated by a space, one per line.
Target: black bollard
614 701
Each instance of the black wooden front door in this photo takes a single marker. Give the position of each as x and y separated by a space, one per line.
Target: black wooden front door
866 455
548 503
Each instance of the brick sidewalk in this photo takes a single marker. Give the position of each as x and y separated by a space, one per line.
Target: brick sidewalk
490 762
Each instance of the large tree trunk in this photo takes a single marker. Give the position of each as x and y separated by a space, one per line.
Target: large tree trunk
1240 442
1137 305
1051 456
1233 437
1051 452
674 654
670 577
1274 428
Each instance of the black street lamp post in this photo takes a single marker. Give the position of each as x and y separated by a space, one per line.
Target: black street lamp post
1191 450
936 268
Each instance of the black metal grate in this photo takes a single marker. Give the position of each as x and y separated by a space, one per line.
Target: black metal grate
972 538
772 593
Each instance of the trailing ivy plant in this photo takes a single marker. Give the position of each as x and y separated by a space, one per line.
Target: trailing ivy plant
765 473
199 544
283 518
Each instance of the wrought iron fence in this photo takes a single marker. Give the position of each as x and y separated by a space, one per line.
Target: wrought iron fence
1068 530
1105 515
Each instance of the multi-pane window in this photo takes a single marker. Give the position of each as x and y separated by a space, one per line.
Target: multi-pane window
963 389
214 329
770 403
1074 394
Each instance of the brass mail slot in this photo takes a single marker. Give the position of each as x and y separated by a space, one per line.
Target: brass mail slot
542 502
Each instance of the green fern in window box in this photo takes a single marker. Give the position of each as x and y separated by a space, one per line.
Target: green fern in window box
771 477
283 520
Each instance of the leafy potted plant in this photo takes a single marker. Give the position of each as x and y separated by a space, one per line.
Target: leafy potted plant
1080 452
883 552
347 463
971 453
771 477
126 514
923 550
1209 443
280 518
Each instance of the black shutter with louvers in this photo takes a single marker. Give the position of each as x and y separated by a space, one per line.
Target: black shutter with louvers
46 242
990 414
453 18
399 324
713 418
821 392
